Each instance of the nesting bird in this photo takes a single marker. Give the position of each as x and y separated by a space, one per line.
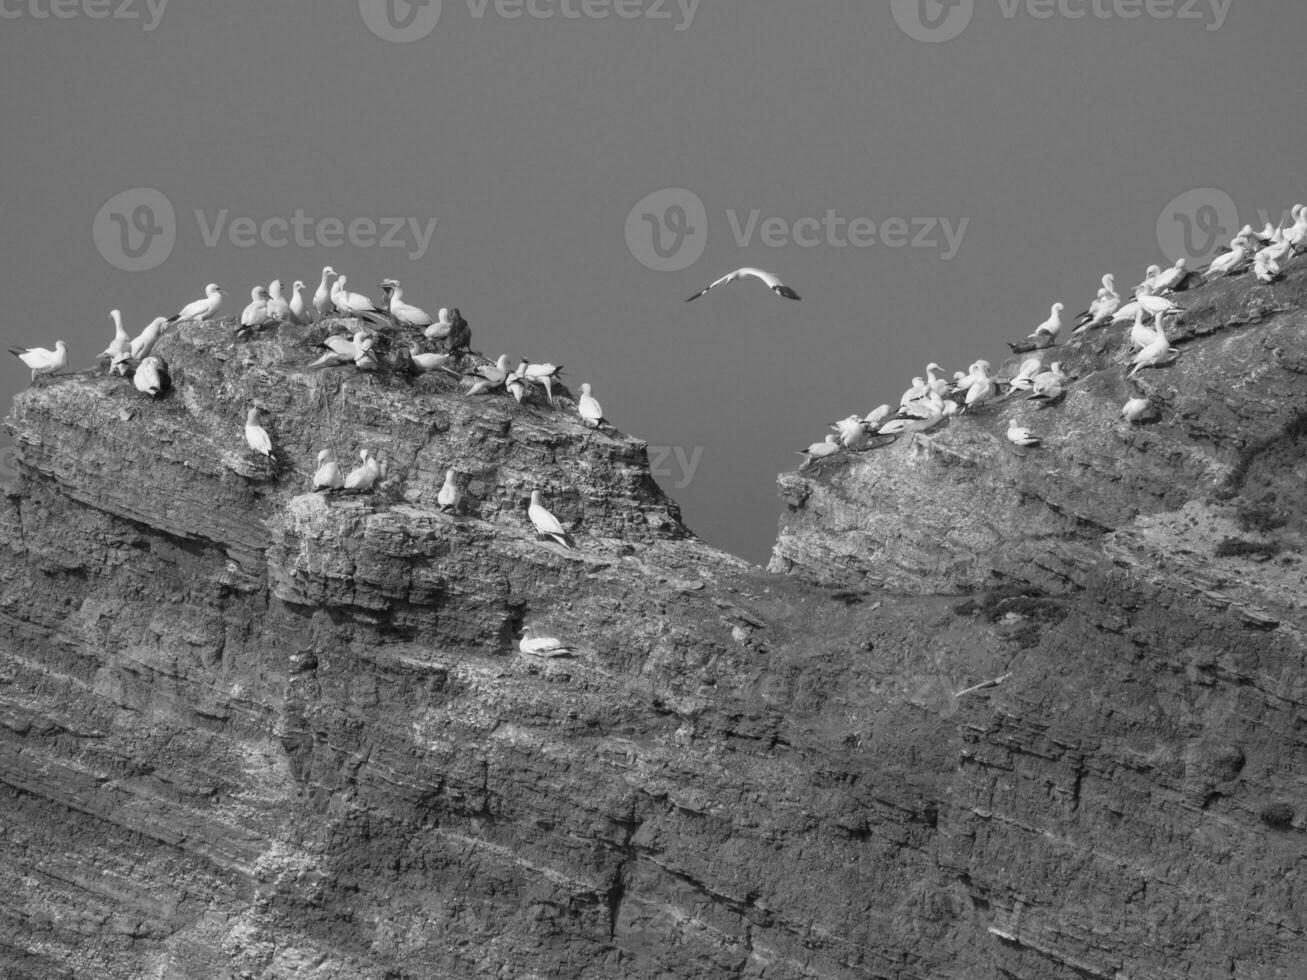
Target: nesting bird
1019 435
256 435
449 496
151 377
546 523
542 646
328 475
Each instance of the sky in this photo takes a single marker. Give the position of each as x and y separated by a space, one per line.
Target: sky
929 177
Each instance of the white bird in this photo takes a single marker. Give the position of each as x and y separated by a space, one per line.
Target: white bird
256 312
1149 285
278 306
1152 305
542 646
1296 235
1023 380
1050 327
356 304
916 390
773 282
982 387
143 343
121 343
1265 268
362 477
322 299
41 360
1158 352
449 496
1170 278
588 407
1141 334
256 435
1101 309
1047 386
923 416
424 363
201 309
544 374
1230 262
404 314
546 523
301 312
327 476
365 359
1135 410
151 377
820 450
876 417
440 329
1019 435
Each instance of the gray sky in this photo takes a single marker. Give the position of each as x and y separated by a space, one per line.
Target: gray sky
1053 144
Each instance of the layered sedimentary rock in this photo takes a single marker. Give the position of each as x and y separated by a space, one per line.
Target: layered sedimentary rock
249 731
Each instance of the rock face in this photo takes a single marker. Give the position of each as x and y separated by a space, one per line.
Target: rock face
249 731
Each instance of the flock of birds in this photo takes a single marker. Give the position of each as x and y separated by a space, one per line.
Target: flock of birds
928 402
934 398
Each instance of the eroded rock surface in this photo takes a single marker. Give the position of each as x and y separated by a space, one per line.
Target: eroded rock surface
248 731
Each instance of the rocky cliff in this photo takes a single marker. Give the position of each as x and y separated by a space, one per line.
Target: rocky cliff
247 731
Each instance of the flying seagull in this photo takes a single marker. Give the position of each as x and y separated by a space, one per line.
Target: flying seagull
773 283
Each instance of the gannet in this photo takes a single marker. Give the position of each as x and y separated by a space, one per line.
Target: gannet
41 360
1047 386
922 416
1149 285
588 407
773 283
1230 262
1019 435
404 314
544 374
542 646
851 433
546 523
327 476
1265 268
1101 309
256 313
151 377
820 450
1135 410
322 299
424 363
356 304
1050 327
277 304
516 383
143 343
300 311
1170 278
1141 334
364 357
362 477
1023 380
201 309
256 435
873 419
460 334
440 329
496 373
1296 235
121 343
1152 305
449 496
982 387
916 390
1158 352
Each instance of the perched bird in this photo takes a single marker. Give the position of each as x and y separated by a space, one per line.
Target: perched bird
361 478
1047 386
322 301
41 360
256 435
820 450
1141 334
1230 262
1024 379
365 359
1051 327
151 377
1158 352
201 309
143 343
1019 435
542 646
440 329
1136 409
449 496
121 343
546 523
544 374
356 304
425 363
982 388
876 417
1152 305
588 407
301 312
460 334
404 314
328 475
773 282
496 373
1171 278
278 305
256 313
1100 312
1265 268
1149 285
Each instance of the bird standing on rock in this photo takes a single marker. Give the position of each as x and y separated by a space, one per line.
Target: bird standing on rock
41 360
449 497
201 309
151 377
546 523
256 435
542 646
327 476
588 407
